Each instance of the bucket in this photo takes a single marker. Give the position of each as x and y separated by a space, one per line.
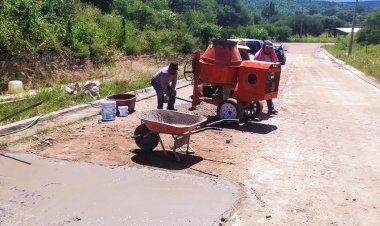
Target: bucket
124 99
15 87
123 111
108 110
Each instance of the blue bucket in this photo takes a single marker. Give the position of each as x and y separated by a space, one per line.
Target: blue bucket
108 110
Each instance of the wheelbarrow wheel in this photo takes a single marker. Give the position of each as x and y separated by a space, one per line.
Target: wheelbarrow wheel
254 110
145 139
230 109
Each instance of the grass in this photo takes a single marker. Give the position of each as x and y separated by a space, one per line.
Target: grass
323 38
56 98
53 99
363 58
117 76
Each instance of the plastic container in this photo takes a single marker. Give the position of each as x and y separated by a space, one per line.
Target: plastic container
108 110
15 87
123 111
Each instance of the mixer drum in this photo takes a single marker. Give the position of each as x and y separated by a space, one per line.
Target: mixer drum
220 63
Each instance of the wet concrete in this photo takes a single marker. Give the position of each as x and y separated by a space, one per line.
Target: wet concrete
55 192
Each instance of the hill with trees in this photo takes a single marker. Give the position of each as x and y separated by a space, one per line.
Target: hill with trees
96 29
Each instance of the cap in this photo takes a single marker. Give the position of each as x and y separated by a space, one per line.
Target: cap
268 43
173 66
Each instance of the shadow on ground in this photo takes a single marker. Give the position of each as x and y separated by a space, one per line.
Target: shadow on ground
163 160
256 127
253 126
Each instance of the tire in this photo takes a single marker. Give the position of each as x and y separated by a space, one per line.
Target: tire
254 110
145 139
230 109
188 71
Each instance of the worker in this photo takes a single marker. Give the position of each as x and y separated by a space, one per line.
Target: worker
267 53
243 49
164 82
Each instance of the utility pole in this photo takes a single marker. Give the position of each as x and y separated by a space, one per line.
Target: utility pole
301 22
352 29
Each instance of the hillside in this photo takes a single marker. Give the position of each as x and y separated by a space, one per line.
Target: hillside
328 8
369 4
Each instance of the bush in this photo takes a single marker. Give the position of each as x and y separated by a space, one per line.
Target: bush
94 34
371 31
187 43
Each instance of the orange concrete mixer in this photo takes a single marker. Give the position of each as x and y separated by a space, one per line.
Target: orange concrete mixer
222 78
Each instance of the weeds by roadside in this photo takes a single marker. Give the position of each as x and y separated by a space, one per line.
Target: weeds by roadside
127 75
323 38
56 98
364 58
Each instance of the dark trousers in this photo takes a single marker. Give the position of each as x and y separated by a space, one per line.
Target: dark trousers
270 104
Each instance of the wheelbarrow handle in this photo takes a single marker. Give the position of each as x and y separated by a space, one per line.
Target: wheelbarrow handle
205 128
221 121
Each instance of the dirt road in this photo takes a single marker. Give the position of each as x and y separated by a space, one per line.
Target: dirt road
321 165
315 163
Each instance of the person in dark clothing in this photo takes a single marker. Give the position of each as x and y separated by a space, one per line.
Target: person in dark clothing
164 82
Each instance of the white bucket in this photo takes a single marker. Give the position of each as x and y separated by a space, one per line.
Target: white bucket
15 87
123 111
108 110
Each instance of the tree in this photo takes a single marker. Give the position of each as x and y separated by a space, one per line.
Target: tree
371 32
103 5
184 5
269 10
331 23
232 13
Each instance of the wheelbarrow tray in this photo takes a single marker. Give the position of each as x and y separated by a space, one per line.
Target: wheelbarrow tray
170 122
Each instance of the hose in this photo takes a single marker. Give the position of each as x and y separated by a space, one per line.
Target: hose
27 127
19 112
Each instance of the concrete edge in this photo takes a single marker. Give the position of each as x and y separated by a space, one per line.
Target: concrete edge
141 94
359 74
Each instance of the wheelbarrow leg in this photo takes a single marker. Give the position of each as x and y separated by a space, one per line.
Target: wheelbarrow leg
190 150
162 143
186 140
180 141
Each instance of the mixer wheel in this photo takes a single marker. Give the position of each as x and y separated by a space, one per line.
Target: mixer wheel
230 109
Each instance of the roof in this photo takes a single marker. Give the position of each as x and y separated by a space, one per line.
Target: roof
348 29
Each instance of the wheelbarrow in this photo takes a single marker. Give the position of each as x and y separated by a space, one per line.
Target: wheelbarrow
180 125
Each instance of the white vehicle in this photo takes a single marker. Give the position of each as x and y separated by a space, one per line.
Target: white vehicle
253 44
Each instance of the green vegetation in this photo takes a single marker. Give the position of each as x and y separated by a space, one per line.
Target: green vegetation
364 58
370 34
93 28
56 98
53 99
325 8
323 38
